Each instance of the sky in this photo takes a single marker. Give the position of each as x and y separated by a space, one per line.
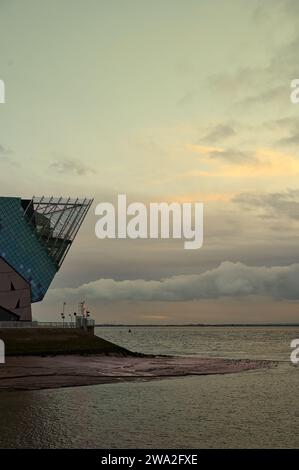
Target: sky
168 100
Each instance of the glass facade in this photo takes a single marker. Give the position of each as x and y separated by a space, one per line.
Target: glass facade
36 234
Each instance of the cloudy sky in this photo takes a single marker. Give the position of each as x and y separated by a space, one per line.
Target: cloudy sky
166 100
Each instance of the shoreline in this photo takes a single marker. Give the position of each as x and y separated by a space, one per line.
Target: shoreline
52 372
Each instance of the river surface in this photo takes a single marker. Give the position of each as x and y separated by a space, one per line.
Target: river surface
258 408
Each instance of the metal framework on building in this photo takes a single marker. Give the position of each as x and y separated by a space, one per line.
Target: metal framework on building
56 222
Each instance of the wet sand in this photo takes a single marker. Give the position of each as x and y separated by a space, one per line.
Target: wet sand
34 373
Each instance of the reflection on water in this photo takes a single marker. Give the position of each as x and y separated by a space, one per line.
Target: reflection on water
250 342
252 409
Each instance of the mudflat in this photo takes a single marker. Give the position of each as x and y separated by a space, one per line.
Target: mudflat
34 372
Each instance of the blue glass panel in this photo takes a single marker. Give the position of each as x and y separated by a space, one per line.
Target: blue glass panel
20 247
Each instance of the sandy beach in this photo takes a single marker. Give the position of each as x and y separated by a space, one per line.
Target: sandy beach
34 373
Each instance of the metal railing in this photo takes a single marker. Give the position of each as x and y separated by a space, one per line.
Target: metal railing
18 324
51 324
35 324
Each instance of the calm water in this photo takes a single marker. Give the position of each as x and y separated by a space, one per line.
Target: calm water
250 409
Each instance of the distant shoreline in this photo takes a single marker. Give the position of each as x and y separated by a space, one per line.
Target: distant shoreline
204 325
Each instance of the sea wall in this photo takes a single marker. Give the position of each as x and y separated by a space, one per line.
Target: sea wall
52 341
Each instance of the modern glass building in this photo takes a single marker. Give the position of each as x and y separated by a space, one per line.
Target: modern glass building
35 236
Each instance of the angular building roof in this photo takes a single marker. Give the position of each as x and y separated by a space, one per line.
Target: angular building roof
36 234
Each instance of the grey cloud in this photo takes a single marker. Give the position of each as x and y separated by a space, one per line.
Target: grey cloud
280 92
267 8
292 139
228 280
271 82
217 133
284 204
233 83
5 151
288 123
232 156
285 125
188 98
6 156
71 166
